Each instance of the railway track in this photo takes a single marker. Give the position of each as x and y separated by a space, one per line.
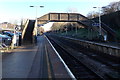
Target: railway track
77 67
91 55
111 61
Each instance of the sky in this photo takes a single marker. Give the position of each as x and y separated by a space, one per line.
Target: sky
14 10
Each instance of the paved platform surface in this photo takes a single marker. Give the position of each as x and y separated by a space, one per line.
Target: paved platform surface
34 61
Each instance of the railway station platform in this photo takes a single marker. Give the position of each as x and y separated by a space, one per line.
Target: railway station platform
35 61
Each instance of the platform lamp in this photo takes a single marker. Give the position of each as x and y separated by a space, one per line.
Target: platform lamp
36 10
36 20
99 8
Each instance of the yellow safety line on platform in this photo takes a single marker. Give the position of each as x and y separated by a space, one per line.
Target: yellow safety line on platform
48 63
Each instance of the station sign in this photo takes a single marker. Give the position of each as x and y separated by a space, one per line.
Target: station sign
95 24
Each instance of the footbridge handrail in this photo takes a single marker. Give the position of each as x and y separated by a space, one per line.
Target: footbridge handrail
26 24
108 27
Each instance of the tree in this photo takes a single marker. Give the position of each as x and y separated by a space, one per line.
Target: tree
56 26
21 25
92 14
112 7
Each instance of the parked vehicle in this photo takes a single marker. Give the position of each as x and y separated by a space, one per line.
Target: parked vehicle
15 37
5 39
8 33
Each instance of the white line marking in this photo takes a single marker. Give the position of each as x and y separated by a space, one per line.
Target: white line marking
70 73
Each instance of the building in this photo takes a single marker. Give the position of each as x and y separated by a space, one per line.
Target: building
6 25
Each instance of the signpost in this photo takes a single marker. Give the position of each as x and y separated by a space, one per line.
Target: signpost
17 28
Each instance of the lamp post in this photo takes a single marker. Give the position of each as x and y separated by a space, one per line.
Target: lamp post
99 8
36 25
36 10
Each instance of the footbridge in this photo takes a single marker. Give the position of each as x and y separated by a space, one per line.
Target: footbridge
69 17
29 31
60 17
56 17
76 17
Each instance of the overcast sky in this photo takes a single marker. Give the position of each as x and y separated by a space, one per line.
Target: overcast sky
11 10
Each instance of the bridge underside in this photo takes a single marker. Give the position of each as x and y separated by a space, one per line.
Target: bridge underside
60 17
